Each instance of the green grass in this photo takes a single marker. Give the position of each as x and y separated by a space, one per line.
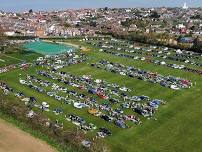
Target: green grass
17 57
178 127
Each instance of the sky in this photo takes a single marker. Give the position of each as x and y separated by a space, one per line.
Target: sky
36 5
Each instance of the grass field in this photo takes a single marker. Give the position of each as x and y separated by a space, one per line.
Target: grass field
17 57
178 127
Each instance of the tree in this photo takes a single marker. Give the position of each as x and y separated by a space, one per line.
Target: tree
193 28
127 23
2 39
78 25
197 47
1 31
197 16
154 14
67 25
106 8
93 23
30 11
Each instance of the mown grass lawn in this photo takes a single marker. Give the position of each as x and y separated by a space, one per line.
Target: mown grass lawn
178 127
17 57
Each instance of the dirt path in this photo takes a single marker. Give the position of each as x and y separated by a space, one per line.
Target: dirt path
13 139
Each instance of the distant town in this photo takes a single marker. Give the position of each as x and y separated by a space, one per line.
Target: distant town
172 26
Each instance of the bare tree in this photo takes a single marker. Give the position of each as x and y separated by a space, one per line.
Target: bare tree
2 39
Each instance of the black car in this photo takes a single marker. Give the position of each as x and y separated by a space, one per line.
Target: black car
114 100
106 118
105 131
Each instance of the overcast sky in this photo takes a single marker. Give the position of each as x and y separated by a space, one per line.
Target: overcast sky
22 5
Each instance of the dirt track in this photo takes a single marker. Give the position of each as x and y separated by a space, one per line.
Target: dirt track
13 139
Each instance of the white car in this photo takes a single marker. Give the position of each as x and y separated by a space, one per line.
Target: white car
136 57
143 58
23 81
174 87
122 73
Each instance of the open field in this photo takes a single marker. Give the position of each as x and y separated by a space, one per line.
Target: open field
6 60
13 139
17 57
178 125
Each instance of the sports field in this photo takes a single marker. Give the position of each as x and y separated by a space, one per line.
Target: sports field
177 126
47 48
